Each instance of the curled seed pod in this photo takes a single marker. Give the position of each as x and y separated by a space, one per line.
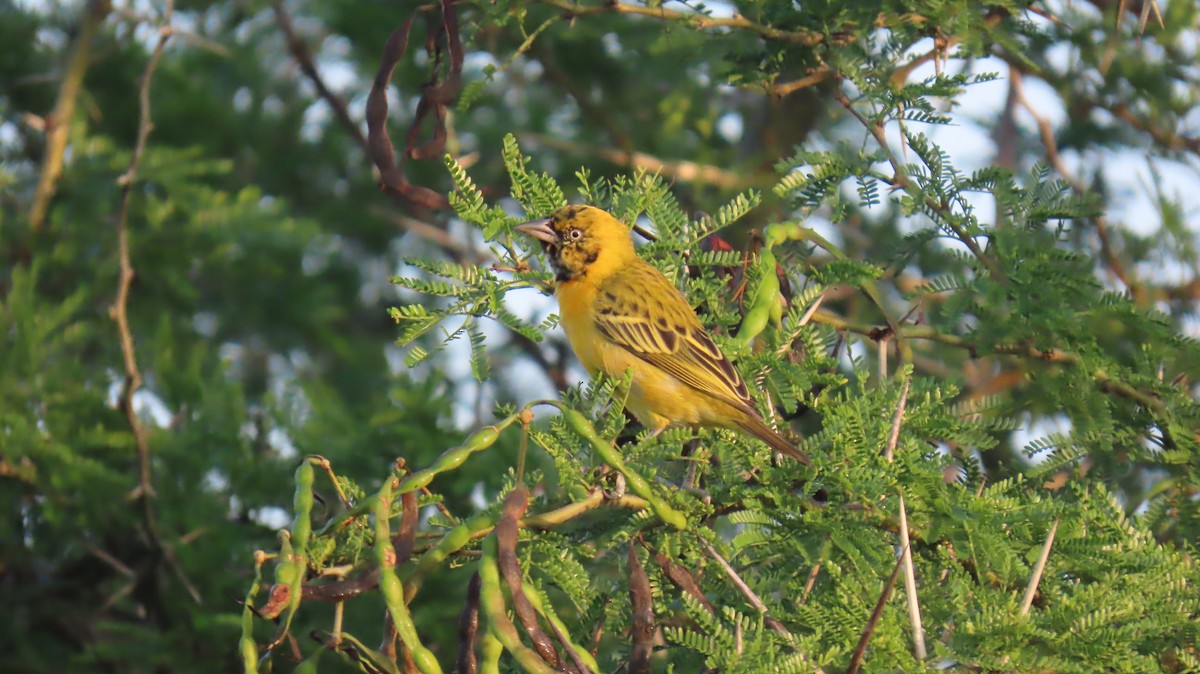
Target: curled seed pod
642 630
491 599
506 543
468 625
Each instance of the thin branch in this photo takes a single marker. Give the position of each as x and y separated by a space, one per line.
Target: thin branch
746 591
119 309
1038 569
902 179
817 76
910 579
1168 137
897 420
144 493
58 123
596 115
941 48
910 586
1046 131
303 55
861 649
1052 355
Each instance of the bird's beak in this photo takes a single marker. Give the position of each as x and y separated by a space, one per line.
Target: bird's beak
540 230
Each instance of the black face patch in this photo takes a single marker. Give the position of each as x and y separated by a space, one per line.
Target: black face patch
574 250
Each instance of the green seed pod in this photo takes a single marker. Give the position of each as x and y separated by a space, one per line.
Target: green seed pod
637 483
392 589
452 542
765 301
246 645
453 458
302 504
490 650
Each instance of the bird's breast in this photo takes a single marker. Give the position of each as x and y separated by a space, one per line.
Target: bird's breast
575 300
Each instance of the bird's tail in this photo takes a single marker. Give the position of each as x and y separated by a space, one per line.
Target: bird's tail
759 429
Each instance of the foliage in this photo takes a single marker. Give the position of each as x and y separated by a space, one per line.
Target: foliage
203 400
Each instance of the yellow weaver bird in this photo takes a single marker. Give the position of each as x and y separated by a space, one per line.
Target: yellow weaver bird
619 312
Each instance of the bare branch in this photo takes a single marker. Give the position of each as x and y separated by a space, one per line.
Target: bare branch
861 649
1038 569
683 170
746 591
119 311
817 76
300 51
1046 131
910 579
903 180
58 123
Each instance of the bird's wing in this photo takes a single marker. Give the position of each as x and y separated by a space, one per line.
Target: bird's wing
639 310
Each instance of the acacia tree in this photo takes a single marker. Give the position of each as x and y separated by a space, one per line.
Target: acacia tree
990 368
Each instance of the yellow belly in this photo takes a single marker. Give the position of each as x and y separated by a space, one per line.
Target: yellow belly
656 398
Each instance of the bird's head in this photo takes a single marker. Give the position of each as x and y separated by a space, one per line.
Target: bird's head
582 241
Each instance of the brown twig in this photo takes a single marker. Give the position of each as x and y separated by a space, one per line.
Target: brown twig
1168 137
58 123
822 74
902 179
597 115
303 55
144 493
910 579
682 170
119 309
941 48
1052 355
697 21
1046 131
861 649
455 248
746 590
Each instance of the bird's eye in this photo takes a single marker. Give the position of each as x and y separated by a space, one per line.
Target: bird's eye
575 234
